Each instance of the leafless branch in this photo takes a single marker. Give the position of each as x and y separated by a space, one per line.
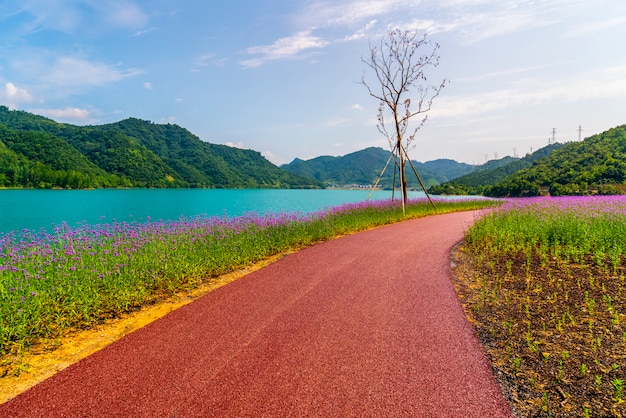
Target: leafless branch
401 87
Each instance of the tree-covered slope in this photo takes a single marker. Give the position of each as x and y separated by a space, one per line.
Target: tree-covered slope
130 153
202 164
490 173
443 170
365 166
596 165
361 167
41 160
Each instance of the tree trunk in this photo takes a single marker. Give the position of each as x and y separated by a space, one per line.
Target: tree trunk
403 182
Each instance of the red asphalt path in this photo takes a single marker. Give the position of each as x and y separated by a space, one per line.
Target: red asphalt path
365 325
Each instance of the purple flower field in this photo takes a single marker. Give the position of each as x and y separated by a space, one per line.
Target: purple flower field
568 228
72 278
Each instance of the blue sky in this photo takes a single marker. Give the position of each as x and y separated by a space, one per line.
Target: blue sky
281 76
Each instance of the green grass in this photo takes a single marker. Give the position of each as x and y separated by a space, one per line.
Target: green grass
51 284
547 293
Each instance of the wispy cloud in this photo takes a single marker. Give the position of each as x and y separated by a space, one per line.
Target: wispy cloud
482 25
509 72
349 13
208 60
473 19
336 122
591 27
53 15
288 47
142 32
72 15
68 113
121 13
602 84
325 23
70 71
361 32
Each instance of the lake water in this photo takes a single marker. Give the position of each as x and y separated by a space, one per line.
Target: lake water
35 209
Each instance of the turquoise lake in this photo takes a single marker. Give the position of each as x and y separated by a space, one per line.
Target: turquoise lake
36 209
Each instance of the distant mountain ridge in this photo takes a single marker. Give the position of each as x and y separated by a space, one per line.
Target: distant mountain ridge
364 167
490 173
38 152
596 165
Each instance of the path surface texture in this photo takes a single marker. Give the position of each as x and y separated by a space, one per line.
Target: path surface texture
367 325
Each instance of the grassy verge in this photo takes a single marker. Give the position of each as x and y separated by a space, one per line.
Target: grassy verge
72 279
547 294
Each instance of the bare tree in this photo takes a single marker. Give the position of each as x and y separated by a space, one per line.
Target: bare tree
403 91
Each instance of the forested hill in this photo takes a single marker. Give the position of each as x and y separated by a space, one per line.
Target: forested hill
596 165
38 152
486 176
365 166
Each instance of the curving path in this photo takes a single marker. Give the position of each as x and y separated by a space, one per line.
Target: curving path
365 325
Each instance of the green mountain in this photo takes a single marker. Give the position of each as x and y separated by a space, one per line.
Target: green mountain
490 173
38 152
596 165
42 160
365 166
443 170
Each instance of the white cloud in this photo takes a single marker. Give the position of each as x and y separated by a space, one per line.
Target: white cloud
147 85
273 158
287 47
68 113
169 119
15 95
601 84
68 71
357 106
236 144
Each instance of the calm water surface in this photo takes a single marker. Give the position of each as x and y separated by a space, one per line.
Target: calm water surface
35 209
